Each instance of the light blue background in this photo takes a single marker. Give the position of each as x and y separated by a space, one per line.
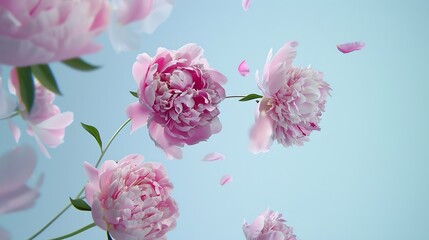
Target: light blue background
364 176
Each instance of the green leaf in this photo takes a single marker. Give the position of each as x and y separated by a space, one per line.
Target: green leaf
79 64
108 236
250 97
44 74
94 132
26 86
80 204
134 94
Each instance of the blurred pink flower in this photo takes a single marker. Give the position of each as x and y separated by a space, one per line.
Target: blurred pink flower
293 102
131 199
130 17
36 32
178 98
268 226
46 123
16 167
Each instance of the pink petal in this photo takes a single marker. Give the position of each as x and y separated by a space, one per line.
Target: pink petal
261 135
350 47
92 186
141 67
215 156
123 38
58 121
157 133
138 114
16 132
133 10
161 10
246 4
225 179
273 235
243 68
16 167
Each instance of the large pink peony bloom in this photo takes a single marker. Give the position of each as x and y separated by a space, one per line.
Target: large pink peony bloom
131 199
16 167
268 226
178 98
293 102
46 123
42 31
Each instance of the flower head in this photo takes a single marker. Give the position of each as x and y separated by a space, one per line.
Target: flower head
36 32
268 226
46 123
293 102
131 199
178 98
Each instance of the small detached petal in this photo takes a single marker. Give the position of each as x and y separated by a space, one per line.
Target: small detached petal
350 47
243 68
246 4
225 179
215 156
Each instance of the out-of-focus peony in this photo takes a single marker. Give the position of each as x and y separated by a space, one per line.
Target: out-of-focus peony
46 123
131 199
36 32
16 167
178 98
130 17
268 226
293 102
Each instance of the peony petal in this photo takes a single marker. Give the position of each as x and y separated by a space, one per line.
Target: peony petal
138 114
350 47
157 133
58 121
243 68
261 135
16 167
92 186
16 132
161 10
128 11
141 67
123 38
246 4
273 235
225 179
215 156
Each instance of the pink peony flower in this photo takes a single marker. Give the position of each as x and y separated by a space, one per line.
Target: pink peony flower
268 226
46 123
36 32
130 17
293 102
131 199
16 167
178 98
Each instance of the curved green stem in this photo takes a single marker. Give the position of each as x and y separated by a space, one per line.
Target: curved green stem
75 232
235 96
83 189
10 116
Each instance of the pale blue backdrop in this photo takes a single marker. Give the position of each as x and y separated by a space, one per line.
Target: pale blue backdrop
364 176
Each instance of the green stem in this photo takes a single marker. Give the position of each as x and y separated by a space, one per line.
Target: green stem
234 96
75 232
83 189
10 116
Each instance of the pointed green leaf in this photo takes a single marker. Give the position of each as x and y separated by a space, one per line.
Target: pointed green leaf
94 132
250 97
44 74
108 236
79 64
26 86
80 204
134 94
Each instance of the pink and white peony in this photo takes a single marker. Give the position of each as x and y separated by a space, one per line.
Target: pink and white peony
268 226
178 98
131 199
16 167
46 123
43 31
293 102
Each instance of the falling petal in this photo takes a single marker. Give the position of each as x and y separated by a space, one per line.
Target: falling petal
350 47
225 179
215 156
261 135
246 4
243 68
16 132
